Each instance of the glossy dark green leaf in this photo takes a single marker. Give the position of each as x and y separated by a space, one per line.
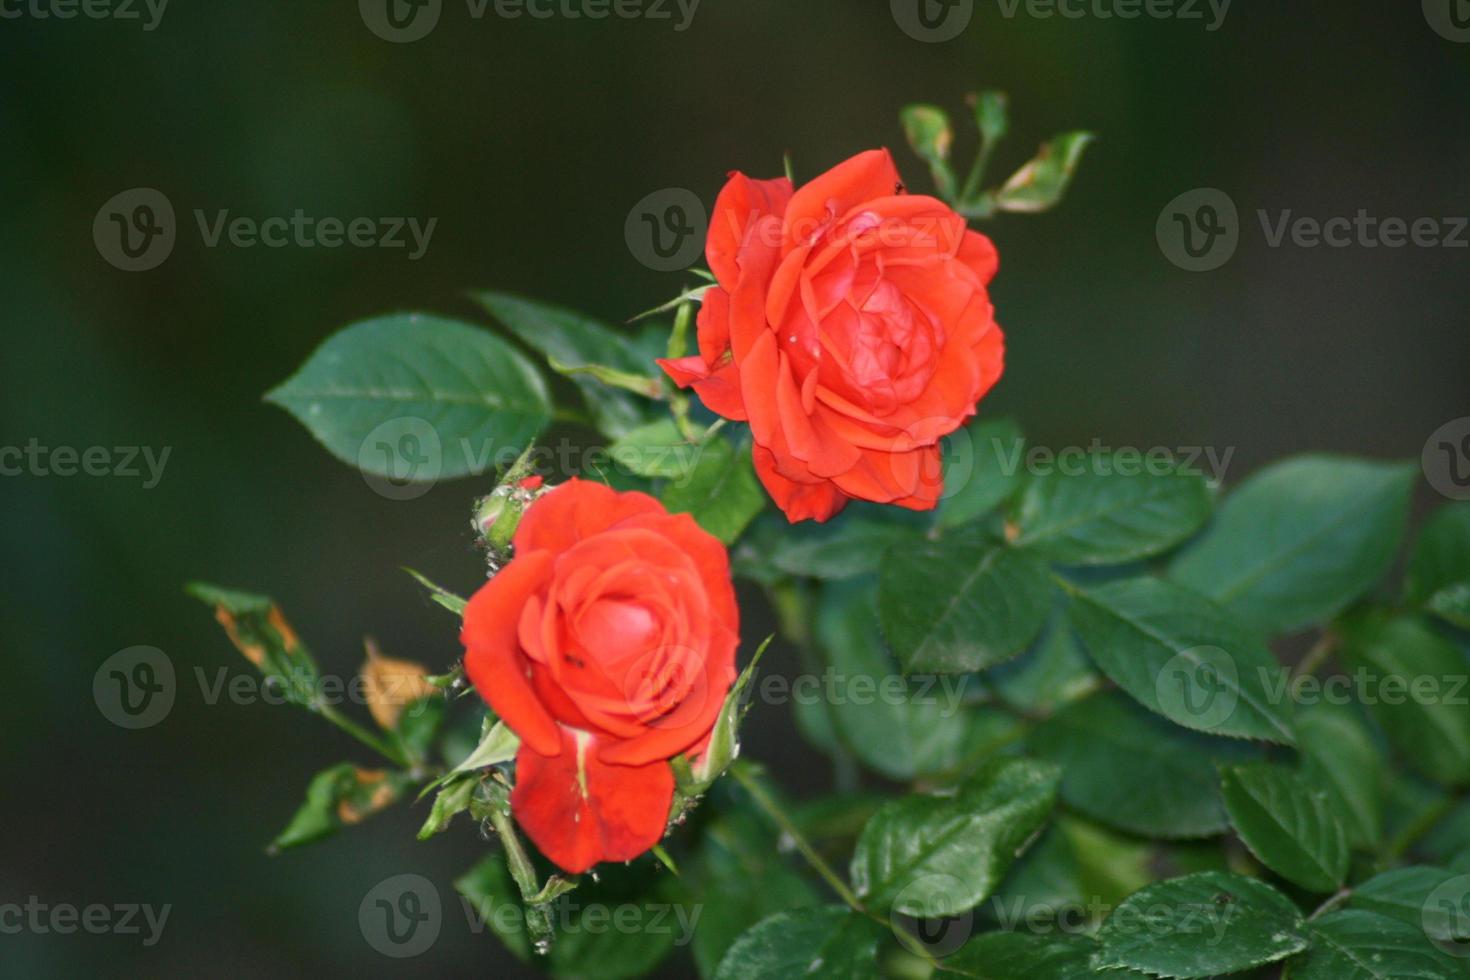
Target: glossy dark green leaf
1132 770
1054 672
1020 956
1438 576
574 341
414 397
656 450
1300 540
961 604
1288 823
1201 925
902 727
740 876
1184 657
1436 901
1339 754
1111 510
1417 685
940 855
983 467
1356 945
721 492
827 942
620 926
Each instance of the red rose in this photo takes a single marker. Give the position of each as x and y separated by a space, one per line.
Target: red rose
851 327
608 646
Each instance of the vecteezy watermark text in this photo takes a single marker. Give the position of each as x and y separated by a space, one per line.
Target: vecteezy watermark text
1200 230
405 21
136 230
123 919
124 462
122 10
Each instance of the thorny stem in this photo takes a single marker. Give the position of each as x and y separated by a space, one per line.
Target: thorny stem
773 809
524 873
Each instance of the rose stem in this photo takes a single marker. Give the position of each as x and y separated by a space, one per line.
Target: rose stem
773 809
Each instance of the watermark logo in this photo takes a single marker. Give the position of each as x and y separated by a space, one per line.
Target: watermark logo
1201 684
135 230
401 21
1446 459
666 230
1199 230
135 688
936 919
122 462
932 21
1450 19
1211 12
1445 916
402 458
401 917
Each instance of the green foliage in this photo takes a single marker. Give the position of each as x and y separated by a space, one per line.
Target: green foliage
826 942
1438 576
1201 925
1299 541
1288 823
940 855
417 397
962 603
1353 945
721 491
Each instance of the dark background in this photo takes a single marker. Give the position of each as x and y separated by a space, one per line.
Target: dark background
530 141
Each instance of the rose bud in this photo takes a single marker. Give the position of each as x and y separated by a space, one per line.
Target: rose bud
608 645
851 327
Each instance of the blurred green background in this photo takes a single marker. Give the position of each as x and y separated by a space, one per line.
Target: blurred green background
530 140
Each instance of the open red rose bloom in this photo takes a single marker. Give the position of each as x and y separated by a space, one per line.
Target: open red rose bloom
608 645
851 327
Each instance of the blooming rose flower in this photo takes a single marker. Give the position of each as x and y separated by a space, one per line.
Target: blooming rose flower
851 327
608 645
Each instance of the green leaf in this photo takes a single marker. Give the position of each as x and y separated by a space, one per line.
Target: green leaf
1301 540
1054 672
1132 770
442 398
1041 184
844 548
656 450
827 942
936 856
1438 576
339 797
724 740
1201 925
740 877
982 469
930 135
440 595
962 603
1288 823
1432 900
574 341
1112 511
618 927
1182 656
1414 684
1076 870
901 727
1019 956
452 800
1339 754
721 492
1354 945
256 627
